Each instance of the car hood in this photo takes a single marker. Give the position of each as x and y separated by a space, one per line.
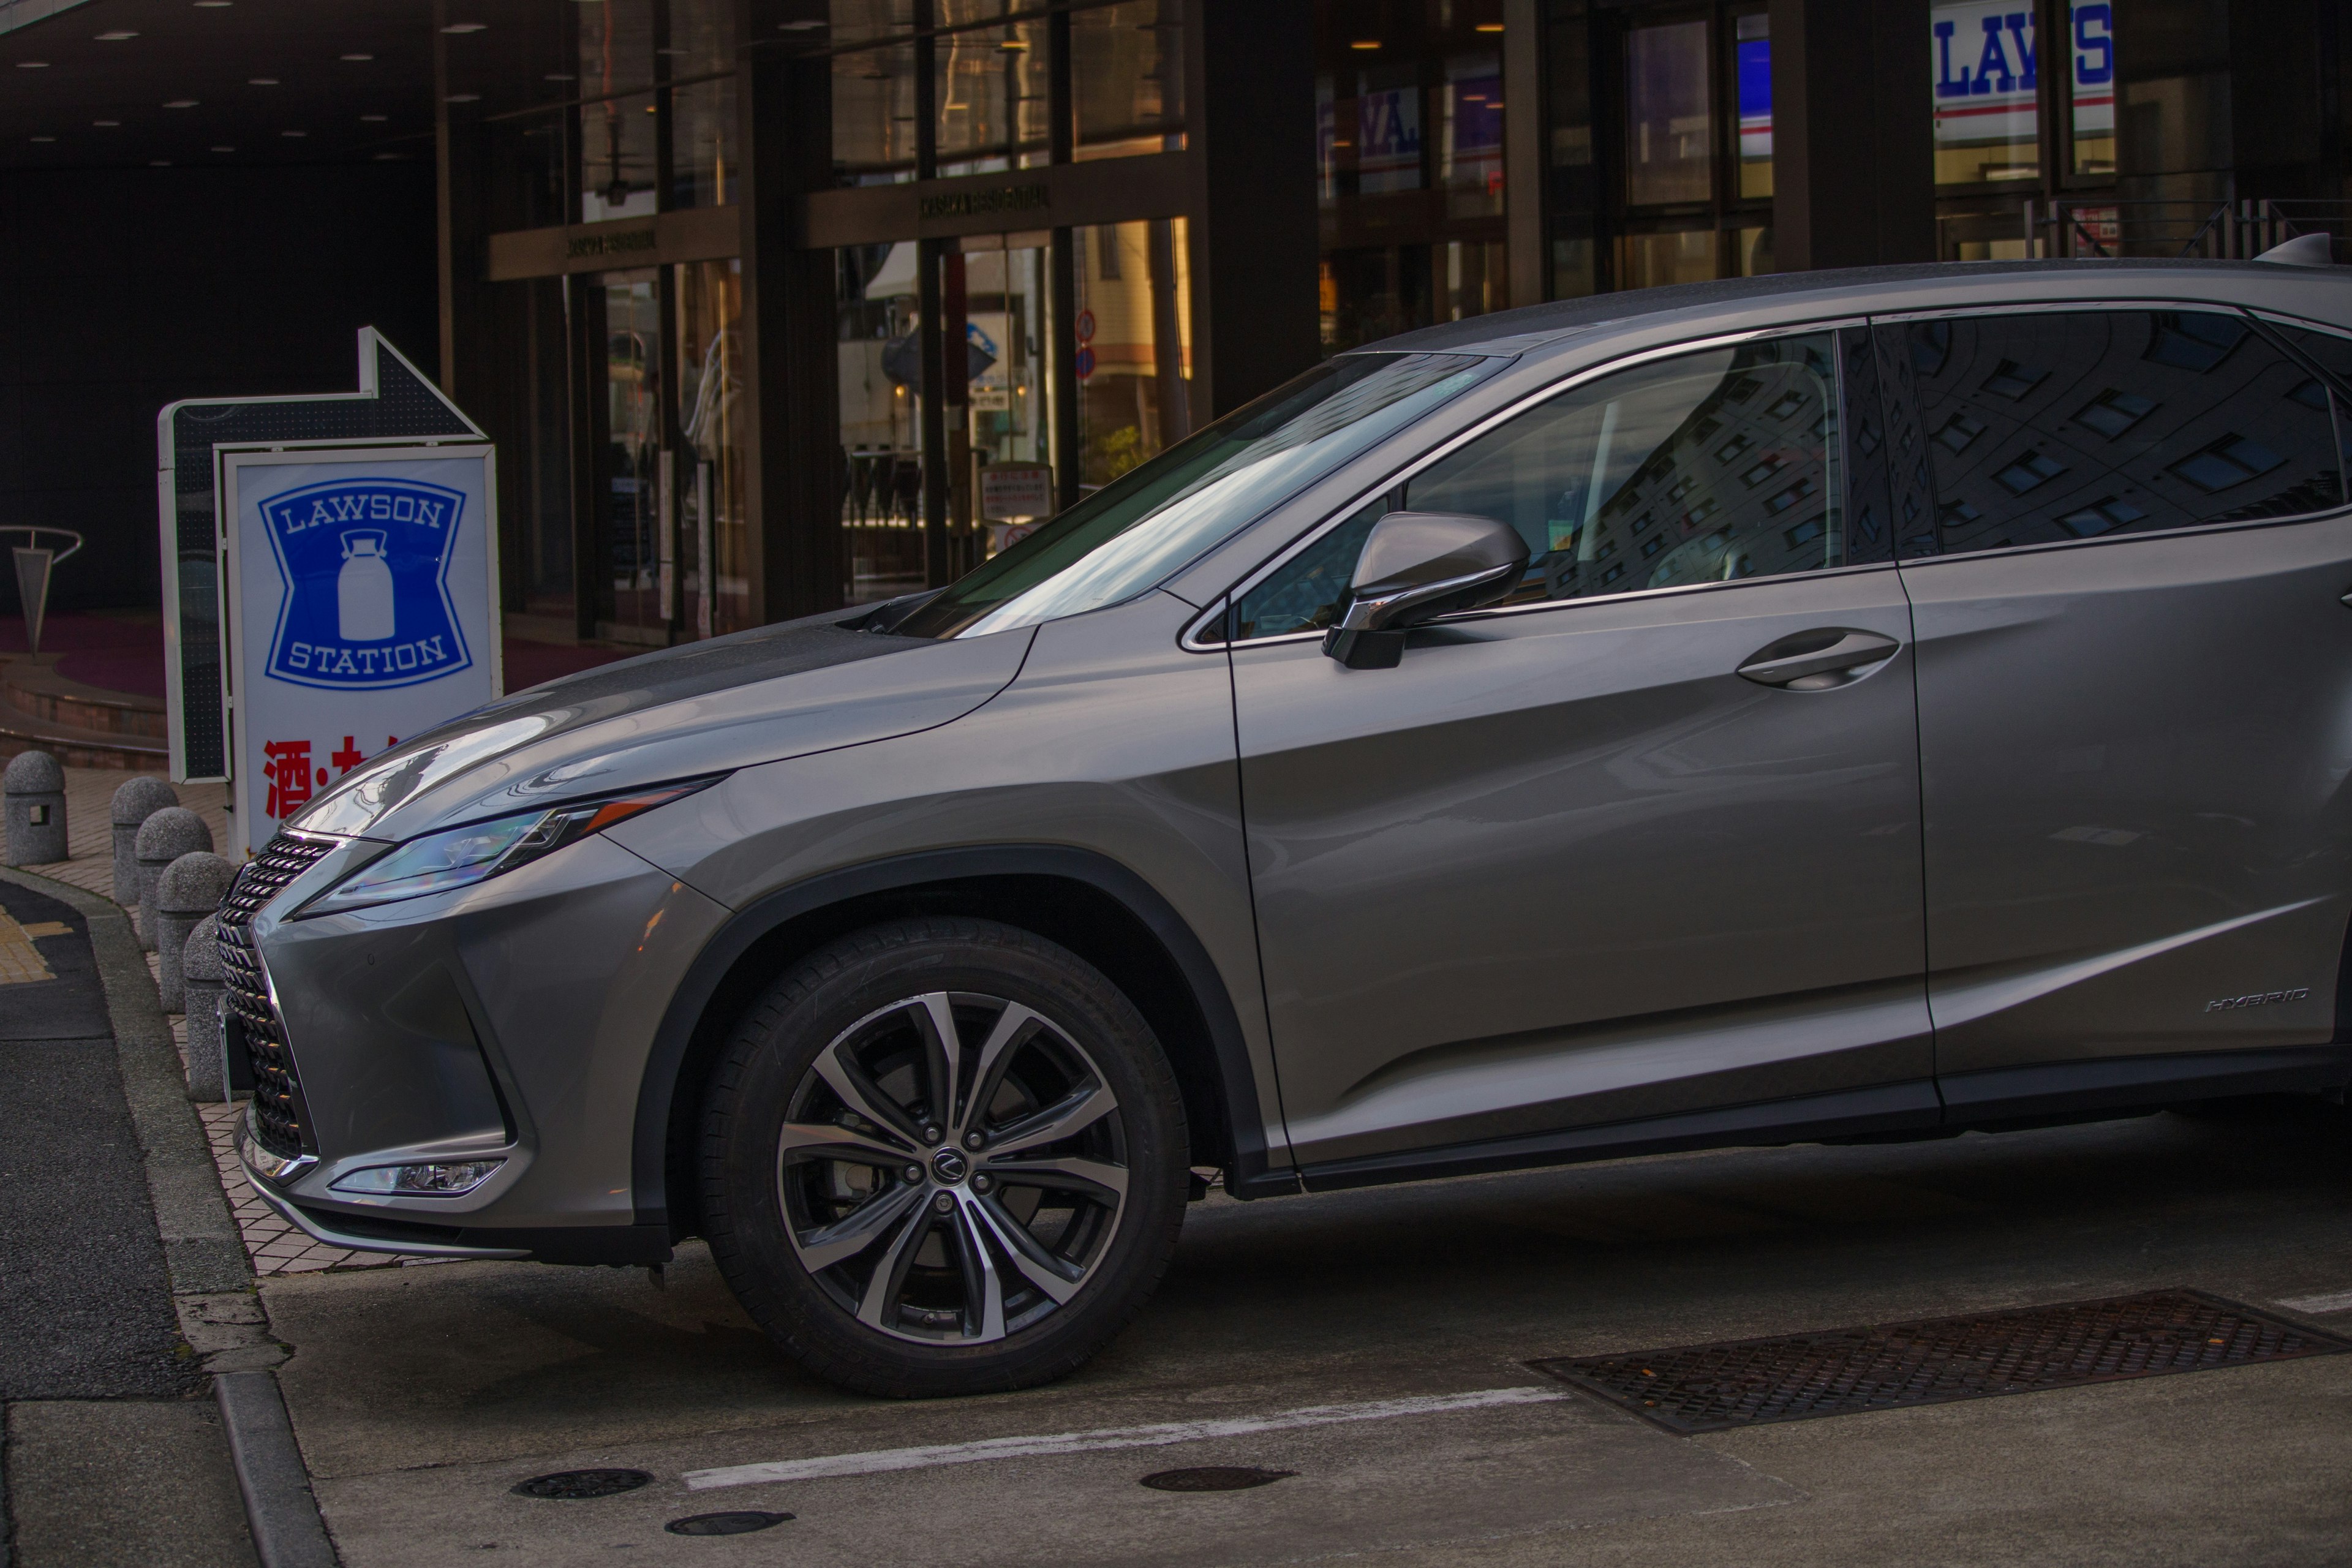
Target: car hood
761 696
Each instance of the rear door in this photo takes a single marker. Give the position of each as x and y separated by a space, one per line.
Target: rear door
1566 867
2135 671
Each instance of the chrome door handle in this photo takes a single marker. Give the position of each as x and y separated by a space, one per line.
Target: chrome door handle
1807 663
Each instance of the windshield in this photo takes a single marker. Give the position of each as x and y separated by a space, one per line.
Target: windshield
1138 529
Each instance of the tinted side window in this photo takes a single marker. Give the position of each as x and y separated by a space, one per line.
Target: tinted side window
1707 467
2042 427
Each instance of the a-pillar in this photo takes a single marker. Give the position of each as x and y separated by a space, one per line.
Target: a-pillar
1854 158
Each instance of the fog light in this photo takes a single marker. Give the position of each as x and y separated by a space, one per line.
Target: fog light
445 1181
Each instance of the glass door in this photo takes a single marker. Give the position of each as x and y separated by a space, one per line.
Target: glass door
632 518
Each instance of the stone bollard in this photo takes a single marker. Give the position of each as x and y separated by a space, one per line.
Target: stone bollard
134 803
191 887
162 838
200 972
35 786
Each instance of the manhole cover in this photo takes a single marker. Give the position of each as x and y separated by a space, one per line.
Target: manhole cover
571 1486
1214 1478
743 1523
1742 1382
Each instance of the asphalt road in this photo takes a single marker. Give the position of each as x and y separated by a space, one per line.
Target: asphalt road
422 1394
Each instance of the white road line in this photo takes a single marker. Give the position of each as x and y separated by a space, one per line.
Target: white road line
1109 1437
2340 1301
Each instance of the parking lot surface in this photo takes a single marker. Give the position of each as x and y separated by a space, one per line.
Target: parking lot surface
1401 1321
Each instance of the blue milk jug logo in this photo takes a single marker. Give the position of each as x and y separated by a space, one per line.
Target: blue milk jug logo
366 564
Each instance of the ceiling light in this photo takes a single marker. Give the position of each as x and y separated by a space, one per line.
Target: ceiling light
1490 27
43 138
465 28
159 163
106 124
359 57
32 65
116 36
374 119
182 103
561 76
673 51
261 81
223 149
463 97
797 27
1013 44
295 133
387 157
1365 44
212 4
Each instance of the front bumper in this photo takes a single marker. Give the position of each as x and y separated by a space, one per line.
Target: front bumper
512 1021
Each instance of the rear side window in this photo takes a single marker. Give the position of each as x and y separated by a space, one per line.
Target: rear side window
1709 467
2048 426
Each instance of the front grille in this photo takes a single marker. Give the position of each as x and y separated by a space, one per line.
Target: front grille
279 1117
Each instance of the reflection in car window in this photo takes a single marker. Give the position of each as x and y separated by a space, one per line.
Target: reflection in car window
1133 531
1704 468
2049 426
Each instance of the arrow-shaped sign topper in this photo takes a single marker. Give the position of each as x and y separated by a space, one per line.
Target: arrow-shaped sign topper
394 406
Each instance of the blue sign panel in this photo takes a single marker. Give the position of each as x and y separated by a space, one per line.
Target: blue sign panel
364 565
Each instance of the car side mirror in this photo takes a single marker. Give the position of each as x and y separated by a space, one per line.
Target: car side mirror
1417 566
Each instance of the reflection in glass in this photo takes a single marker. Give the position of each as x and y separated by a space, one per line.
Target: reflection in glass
713 536
991 96
1986 92
2094 48
1470 148
1752 62
630 469
616 134
1135 366
1127 75
1647 260
873 115
1669 130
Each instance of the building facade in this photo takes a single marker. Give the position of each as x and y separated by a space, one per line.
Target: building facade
776 305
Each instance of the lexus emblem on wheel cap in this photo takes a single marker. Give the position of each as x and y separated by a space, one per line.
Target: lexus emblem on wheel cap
950 1165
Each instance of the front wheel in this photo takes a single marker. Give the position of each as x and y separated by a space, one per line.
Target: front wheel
942 1156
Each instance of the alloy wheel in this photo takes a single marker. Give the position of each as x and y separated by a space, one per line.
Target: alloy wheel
952 1168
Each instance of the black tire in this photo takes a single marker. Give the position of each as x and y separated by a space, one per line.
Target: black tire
839 1053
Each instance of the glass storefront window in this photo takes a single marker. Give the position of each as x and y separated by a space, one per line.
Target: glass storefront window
2094 108
990 84
617 164
628 464
881 420
1987 98
704 161
1470 149
1126 76
873 115
713 525
1135 364
1752 68
1669 127
1647 260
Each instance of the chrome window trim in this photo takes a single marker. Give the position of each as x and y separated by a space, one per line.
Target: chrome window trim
1190 640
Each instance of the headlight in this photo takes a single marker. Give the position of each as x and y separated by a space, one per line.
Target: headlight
460 857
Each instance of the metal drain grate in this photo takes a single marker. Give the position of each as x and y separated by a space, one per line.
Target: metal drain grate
1792 1377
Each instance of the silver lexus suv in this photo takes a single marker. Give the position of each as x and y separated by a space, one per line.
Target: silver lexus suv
1837 706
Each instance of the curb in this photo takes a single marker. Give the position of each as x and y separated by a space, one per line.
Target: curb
211 1287
278 1506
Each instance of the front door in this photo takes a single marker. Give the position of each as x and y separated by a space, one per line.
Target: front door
2135 683
1566 865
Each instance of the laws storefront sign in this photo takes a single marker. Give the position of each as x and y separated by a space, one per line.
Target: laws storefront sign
363 600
